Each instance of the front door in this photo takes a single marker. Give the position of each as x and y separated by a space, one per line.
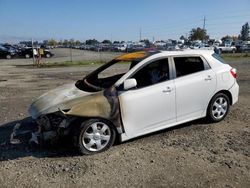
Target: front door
150 106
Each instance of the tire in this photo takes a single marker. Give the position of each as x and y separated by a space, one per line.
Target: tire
27 56
218 108
48 55
94 136
8 56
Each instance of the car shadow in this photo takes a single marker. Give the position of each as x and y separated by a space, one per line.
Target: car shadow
19 146
192 124
14 146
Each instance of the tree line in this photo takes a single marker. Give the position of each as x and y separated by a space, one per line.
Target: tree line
195 34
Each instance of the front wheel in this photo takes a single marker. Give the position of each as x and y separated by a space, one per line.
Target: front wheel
218 108
48 55
8 56
94 136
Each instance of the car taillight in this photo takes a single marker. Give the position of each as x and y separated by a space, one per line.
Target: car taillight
233 72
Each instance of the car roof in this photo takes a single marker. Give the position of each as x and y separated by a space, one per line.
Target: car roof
144 54
187 52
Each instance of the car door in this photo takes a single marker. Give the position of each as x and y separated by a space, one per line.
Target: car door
151 105
195 85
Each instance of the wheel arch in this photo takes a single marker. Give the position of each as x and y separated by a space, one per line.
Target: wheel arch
227 93
80 119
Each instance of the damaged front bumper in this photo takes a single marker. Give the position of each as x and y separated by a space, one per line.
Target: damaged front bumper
51 127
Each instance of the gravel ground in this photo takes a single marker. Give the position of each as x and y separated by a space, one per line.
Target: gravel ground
194 154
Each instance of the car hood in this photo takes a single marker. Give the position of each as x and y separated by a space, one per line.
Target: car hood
61 98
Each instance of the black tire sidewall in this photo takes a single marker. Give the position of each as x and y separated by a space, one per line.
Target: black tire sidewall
83 127
210 116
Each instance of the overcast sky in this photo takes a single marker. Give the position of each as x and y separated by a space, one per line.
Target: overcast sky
119 19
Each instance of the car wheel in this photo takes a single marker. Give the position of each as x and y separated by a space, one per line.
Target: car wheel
27 56
48 55
8 56
218 107
94 136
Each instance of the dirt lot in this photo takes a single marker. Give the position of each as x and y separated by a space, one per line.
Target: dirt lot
195 154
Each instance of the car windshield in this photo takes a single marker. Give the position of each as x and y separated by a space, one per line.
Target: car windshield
3 48
108 74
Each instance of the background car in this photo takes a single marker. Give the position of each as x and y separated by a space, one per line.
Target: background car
28 53
245 48
6 53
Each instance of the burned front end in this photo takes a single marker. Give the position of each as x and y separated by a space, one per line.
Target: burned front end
58 118
49 112
52 127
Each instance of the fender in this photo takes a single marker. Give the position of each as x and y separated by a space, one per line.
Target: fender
95 105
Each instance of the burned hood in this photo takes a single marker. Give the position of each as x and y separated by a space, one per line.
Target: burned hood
63 97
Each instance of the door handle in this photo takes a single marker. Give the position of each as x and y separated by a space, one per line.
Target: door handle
208 78
167 90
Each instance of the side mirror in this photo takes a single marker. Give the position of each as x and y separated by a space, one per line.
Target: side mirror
129 83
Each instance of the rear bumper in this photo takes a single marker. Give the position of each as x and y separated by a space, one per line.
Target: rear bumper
234 90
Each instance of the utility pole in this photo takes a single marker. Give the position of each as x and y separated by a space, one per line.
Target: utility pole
33 56
204 26
140 34
204 23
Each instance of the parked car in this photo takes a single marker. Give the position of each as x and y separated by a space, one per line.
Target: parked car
245 48
227 49
153 91
6 53
11 48
28 53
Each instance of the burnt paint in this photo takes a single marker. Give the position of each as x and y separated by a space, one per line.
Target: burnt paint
103 104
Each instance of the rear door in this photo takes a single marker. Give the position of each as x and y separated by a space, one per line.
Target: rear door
195 84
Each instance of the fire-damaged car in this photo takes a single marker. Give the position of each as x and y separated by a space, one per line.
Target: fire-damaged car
147 92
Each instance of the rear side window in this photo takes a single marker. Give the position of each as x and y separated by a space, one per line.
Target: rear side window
188 65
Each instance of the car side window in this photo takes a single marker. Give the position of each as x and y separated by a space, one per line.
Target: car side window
188 65
153 73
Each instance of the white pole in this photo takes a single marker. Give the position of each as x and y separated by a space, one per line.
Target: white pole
33 51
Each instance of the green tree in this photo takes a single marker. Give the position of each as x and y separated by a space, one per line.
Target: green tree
52 42
77 43
244 33
198 34
106 41
146 41
72 42
227 37
182 37
65 42
91 42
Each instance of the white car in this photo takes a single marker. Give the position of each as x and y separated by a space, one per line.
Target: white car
148 91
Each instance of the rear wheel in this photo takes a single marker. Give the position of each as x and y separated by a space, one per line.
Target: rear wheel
218 107
94 136
48 55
